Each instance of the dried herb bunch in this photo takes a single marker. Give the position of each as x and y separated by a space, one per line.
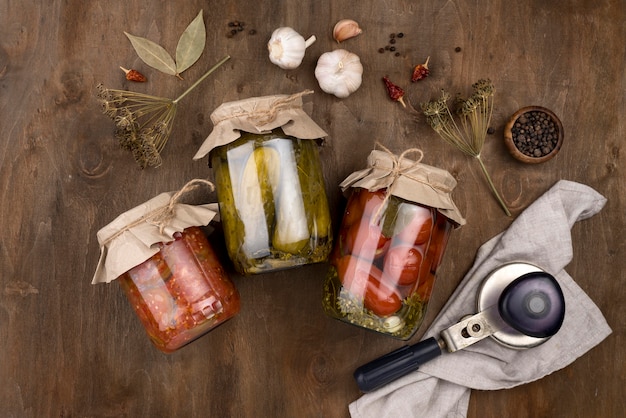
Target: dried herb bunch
143 123
469 135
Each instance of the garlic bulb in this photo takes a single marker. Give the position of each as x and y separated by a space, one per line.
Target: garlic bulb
287 47
346 29
339 72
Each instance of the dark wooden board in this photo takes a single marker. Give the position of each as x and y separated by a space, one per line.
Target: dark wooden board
71 349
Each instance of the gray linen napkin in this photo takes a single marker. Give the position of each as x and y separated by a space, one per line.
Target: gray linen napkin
541 236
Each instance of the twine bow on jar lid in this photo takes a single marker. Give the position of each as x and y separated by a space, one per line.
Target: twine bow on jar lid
394 171
161 217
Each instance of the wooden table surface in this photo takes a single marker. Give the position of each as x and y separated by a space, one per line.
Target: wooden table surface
72 349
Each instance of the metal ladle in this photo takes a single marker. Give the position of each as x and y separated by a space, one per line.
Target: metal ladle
519 305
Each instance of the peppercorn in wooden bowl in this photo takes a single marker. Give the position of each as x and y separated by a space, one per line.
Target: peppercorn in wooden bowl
533 134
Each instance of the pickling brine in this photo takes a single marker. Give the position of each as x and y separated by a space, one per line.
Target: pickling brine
181 292
273 204
384 262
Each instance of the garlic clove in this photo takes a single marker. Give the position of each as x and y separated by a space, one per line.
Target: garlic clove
346 29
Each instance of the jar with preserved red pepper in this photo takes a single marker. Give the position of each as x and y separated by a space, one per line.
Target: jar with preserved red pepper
391 241
166 266
270 186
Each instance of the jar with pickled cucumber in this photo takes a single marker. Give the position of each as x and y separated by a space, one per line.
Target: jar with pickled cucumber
391 241
270 187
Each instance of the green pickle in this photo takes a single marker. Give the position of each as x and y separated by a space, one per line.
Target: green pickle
272 201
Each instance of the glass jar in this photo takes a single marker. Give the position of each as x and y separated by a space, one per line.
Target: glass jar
392 239
273 204
181 292
384 263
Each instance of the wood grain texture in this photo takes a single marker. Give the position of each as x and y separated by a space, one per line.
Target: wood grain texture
71 349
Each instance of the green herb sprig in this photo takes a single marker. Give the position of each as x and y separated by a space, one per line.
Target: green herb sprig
143 123
469 135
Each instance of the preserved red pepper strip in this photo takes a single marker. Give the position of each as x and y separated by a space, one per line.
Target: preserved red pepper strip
420 71
395 92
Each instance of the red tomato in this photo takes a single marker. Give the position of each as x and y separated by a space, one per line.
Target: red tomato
354 210
353 273
419 229
402 265
381 298
371 201
366 240
363 279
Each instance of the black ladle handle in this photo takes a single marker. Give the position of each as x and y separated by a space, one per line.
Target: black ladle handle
396 364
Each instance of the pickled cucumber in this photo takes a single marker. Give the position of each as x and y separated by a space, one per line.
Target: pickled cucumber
249 202
291 232
233 231
312 181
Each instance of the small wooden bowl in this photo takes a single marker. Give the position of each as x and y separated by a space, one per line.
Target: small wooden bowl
526 157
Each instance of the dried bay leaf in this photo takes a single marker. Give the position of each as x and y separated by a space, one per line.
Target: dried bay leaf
191 44
153 54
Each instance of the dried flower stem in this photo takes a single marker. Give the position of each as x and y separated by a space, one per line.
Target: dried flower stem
475 116
493 187
144 122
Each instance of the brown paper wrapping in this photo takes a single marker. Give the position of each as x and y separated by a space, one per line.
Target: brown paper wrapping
409 180
260 115
132 237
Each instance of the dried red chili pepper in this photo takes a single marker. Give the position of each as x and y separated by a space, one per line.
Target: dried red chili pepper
420 71
134 75
395 92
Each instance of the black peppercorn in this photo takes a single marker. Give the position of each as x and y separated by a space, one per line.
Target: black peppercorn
534 134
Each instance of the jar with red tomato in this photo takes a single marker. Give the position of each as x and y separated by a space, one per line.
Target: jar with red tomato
390 243
171 275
